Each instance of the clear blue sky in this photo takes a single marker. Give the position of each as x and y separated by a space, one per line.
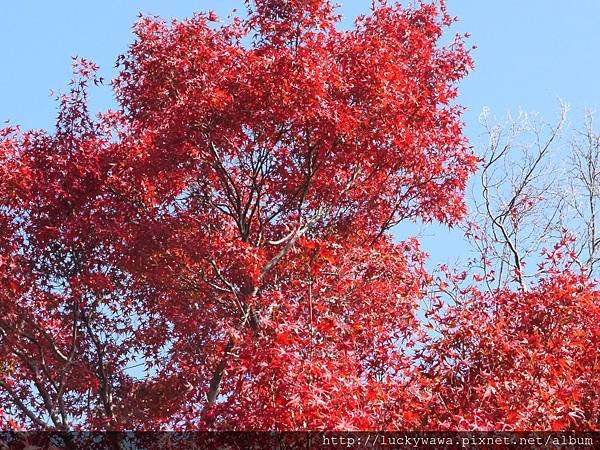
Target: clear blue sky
529 53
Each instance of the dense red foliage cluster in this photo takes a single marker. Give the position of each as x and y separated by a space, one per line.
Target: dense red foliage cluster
217 254
510 360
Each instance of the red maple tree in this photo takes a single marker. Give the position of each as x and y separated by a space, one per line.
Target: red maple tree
516 360
217 253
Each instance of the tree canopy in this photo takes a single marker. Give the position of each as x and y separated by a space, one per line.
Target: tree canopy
216 253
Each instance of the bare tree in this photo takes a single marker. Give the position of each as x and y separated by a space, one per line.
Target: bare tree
583 197
538 181
517 199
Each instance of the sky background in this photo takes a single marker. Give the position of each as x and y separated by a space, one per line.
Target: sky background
529 54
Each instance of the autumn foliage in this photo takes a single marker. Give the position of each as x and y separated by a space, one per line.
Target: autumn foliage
511 360
217 254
